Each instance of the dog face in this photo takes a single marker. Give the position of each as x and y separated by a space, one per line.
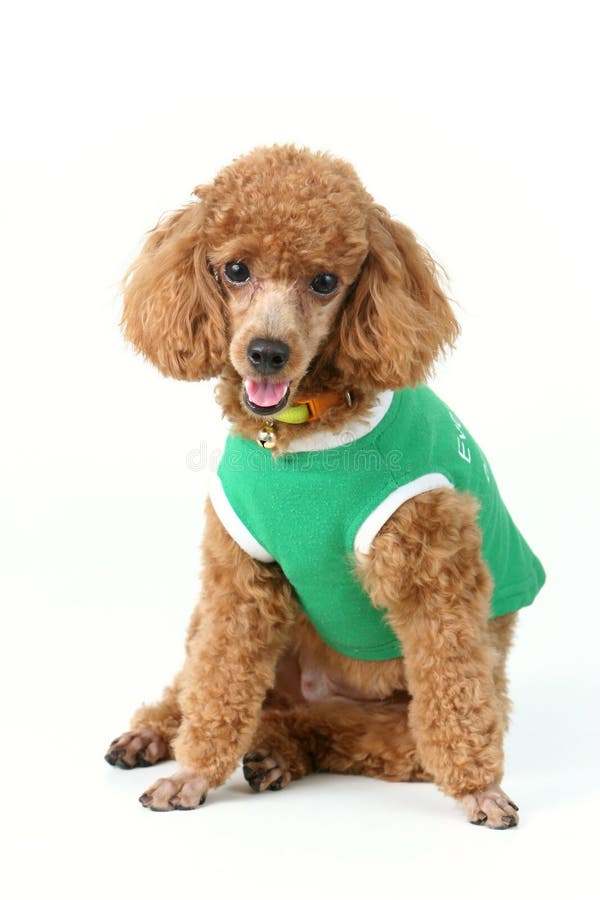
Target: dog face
286 240
285 261
277 328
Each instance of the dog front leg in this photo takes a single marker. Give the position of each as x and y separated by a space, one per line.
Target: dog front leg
247 610
425 568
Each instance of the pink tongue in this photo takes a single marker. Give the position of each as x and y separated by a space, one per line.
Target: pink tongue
265 393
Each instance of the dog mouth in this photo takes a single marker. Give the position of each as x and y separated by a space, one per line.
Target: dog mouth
265 398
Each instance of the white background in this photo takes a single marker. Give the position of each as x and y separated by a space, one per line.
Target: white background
474 124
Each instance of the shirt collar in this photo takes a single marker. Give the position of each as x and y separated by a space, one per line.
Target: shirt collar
323 439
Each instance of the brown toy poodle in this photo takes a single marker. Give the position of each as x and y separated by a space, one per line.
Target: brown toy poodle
361 574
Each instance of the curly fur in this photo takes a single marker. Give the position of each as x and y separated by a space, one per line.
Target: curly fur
173 312
385 330
393 344
440 712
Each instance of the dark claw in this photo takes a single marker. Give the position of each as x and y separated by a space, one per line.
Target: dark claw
514 805
141 760
276 786
509 822
254 776
252 756
145 799
479 821
188 808
115 758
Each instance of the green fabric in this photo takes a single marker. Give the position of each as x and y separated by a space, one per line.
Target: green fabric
305 509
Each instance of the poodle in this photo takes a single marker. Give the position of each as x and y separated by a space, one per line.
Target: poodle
361 574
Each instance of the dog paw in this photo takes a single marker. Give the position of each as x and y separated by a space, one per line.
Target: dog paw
142 747
184 789
265 770
492 808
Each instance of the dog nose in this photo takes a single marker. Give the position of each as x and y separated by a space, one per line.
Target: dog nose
267 356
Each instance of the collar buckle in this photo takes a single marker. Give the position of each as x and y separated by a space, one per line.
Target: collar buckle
321 403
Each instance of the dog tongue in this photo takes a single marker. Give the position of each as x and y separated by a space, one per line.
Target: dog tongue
265 393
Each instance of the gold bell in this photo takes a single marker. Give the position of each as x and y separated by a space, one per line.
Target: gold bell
266 436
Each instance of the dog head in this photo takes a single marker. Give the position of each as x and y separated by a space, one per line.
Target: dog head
282 267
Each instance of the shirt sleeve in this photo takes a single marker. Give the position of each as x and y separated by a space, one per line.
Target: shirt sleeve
375 521
232 523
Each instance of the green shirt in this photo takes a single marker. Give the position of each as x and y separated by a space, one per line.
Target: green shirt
313 511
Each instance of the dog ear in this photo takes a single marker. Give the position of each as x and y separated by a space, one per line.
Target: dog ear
397 319
173 310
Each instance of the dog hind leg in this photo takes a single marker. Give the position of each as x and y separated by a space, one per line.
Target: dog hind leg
153 727
333 736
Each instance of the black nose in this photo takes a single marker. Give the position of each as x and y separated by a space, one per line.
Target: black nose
267 356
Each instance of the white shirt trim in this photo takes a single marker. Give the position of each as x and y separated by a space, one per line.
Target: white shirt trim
233 524
328 440
375 521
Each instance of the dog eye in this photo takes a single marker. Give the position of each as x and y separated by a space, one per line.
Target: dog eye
325 283
237 272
